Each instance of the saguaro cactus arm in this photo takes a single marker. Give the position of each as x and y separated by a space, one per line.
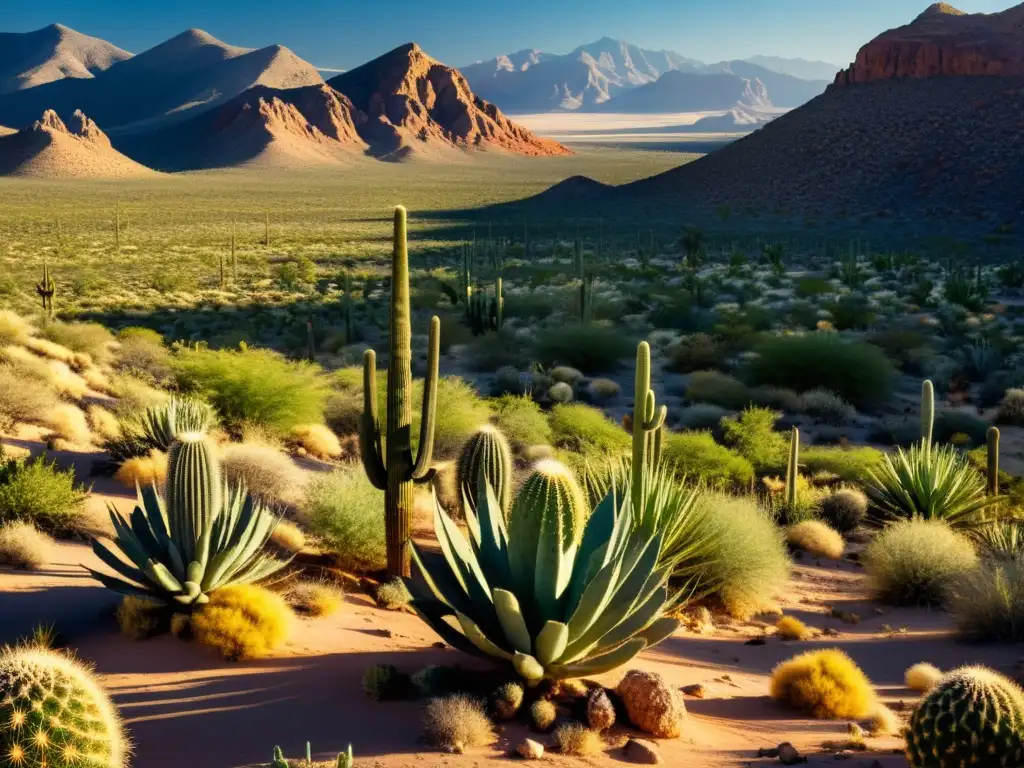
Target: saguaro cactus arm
370 448
421 471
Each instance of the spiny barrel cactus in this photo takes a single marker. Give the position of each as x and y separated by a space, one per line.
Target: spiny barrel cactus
548 607
53 714
648 423
161 424
974 716
204 536
387 452
486 454
550 499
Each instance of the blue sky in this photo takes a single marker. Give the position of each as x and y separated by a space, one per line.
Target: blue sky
345 33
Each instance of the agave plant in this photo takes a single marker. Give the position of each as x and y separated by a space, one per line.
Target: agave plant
549 605
203 536
160 425
931 482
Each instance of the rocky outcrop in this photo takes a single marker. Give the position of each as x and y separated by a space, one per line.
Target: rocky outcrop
79 127
944 41
412 101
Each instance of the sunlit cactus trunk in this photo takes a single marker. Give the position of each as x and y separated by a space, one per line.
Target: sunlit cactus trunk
648 421
388 458
992 474
792 470
927 413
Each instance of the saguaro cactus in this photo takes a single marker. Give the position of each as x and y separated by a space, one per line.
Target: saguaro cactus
992 474
927 413
387 453
46 288
792 470
648 423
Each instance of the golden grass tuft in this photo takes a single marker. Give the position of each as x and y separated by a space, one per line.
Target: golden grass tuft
884 722
103 423
97 381
288 536
242 621
66 382
69 423
455 723
49 349
791 628
316 598
922 677
23 546
143 470
14 329
825 684
816 538
393 595
270 474
577 740
317 440
140 618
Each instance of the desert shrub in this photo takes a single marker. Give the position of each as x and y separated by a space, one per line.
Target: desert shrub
393 595
791 628
828 408
135 395
577 740
140 618
345 511
143 471
22 546
103 423
785 400
455 723
699 458
566 374
317 440
825 684
14 329
460 412
845 509
1011 408
69 422
493 351
315 598
817 539
702 416
950 423
521 420
718 389
752 435
988 601
590 348
20 403
884 722
384 682
850 464
904 346
288 536
142 353
914 562
859 373
751 566
696 352
604 389
37 492
242 621
343 410
922 677
586 430
90 338
255 386
560 392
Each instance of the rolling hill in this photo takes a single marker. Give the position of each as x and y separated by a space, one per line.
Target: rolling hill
53 53
782 90
796 67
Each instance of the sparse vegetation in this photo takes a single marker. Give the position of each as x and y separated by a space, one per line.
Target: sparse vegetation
816 538
456 723
344 509
242 621
35 491
825 684
22 546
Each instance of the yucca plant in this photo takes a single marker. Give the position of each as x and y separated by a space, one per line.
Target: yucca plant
1001 538
204 535
545 605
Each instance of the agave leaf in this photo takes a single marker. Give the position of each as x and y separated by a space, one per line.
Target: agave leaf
598 665
660 630
131 573
629 625
528 667
492 538
123 587
432 571
552 642
510 616
476 636
433 615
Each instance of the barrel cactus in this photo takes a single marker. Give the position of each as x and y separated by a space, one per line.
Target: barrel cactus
533 597
204 536
974 716
486 454
551 493
52 713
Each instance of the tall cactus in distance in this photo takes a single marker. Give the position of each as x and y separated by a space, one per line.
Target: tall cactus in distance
992 472
387 453
46 288
792 470
927 413
648 423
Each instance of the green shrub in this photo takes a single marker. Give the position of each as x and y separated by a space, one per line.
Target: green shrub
808 287
718 389
590 348
255 386
37 492
785 400
697 352
752 435
702 416
345 511
142 353
587 431
859 373
850 464
828 408
91 338
988 602
949 423
915 562
1011 409
845 509
699 458
495 350
521 420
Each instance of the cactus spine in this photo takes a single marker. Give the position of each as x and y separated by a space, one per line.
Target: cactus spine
387 454
486 454
648 422
46 288
974 716
792 469
992 473
927 413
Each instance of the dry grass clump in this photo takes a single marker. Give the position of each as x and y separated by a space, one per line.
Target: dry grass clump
543 715
816 538
242 621
288 536
455 723
988 601
826 684
14 329
393 595
23 546
22 402
66 382
135 395
103 423
143 471
884 722
315 598
317 440
791 628
97 381
343 510
90 339
578 740
38 492
140 618
922 677
68 422
269 474
48 349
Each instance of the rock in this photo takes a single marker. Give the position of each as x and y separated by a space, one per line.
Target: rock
600 711
759 640
768 752
642 751
696 690
529 749
651 705
789 755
